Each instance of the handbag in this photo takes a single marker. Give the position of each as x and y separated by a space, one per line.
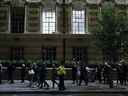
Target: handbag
31 72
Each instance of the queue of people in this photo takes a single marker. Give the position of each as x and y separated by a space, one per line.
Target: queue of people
38 75
106 73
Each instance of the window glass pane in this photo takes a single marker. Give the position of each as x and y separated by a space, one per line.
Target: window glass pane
48 22
49 54
17 19
81 27
78 21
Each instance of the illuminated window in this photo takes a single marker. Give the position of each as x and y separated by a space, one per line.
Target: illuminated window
78 22
48 22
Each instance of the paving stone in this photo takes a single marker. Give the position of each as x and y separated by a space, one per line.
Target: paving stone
17 86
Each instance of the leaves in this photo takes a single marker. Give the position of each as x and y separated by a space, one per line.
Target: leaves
112 30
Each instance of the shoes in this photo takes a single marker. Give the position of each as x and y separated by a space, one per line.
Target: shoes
62 88
47 88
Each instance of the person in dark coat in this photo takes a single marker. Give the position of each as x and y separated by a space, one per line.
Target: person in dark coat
35 68
105 73
43 76
83 75
74 73
110 74
54 75
0 73
120 74
23 72
11 69
99 70
124 72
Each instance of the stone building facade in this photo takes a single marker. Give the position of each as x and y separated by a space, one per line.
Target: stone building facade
23 36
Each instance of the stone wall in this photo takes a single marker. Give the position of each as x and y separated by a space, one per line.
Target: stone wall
32 39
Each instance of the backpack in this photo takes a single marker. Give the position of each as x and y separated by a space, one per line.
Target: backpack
31 72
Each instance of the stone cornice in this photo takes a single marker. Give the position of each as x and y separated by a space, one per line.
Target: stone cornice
96 2
121 2
67 2
60 2
5 1
33 1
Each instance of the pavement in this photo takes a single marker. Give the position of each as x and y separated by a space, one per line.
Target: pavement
93 87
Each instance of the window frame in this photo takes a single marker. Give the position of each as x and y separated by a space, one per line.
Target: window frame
17 53
13 16
80 54
41 20
85 21
49 54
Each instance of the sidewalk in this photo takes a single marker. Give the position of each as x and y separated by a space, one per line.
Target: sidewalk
95 87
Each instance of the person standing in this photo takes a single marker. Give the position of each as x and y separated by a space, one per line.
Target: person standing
0 73
11 69
83 75
124 73
54 75
42 76
99 70
74 73
110 74
23 71
61 73
31 74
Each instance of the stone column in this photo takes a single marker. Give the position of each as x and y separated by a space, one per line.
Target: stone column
93 11
4 18
59 12
33 17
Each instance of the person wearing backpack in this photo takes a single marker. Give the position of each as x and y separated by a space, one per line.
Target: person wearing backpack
61 73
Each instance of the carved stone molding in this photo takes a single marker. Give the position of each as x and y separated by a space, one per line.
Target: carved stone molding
17 2
5 1
33 1
49 3
93 1
78 4
121 2
66 1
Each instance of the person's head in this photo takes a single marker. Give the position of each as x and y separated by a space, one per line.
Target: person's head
62 62
0 64
34 63
23 65
122 61
106 63
53 65
74 64
73 59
